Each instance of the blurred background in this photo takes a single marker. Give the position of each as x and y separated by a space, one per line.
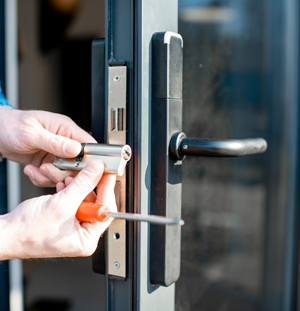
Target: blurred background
55 40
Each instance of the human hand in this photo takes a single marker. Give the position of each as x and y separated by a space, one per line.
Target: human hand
46 226
33 138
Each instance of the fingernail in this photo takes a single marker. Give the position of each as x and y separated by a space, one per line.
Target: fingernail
29 172
71 148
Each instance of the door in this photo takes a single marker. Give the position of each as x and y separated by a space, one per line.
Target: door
240 80
240 75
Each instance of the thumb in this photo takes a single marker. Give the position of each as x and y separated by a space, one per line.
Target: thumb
105 191
82 185
58 145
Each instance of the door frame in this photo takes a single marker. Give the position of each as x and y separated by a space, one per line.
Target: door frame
130 25
129 29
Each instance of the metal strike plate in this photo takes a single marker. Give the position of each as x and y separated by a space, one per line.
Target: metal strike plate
116 134
114 158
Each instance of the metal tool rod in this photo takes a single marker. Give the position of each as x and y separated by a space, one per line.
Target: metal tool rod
158 220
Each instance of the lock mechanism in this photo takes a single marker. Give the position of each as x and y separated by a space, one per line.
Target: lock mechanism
109 99
114 158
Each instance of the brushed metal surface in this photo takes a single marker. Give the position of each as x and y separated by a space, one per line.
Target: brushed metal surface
116 135
114 158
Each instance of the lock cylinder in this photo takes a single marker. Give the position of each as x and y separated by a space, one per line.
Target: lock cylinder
114 157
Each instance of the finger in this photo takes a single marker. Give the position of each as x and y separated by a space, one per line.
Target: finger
37 178
58 145
64 126
106 196
60 186
49 158
68 180
95 229
89 198
55 174
79 134
105 189
83 184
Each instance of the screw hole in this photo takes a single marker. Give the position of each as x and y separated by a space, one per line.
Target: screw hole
117 236
117 78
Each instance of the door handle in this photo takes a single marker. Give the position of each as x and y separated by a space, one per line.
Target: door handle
169 146
181 146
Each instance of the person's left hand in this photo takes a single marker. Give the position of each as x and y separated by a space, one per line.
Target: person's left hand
33 138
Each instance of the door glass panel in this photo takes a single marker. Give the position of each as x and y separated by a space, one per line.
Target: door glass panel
224 200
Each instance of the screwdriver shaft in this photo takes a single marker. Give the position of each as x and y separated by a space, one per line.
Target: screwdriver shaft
91 212
159 220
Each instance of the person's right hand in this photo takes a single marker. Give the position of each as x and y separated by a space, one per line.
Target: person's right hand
34 138
46 226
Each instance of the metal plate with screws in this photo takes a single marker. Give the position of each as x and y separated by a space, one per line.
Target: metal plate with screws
116 134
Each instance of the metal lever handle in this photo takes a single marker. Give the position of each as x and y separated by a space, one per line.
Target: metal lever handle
181 146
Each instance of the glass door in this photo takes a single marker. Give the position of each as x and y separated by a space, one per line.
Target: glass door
232 206
238 242
240 76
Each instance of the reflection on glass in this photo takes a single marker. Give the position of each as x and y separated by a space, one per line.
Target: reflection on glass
224 200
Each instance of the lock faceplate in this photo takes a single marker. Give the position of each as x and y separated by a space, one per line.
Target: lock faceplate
116 134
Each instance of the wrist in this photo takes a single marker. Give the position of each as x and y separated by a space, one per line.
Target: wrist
18 238
5 121
5 238
11 244
14 242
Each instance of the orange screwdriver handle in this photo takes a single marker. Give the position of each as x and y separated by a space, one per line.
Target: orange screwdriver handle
92 212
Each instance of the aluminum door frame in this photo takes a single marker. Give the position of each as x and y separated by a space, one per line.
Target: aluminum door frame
153 16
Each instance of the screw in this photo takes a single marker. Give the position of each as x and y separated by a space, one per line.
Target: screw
184 147
117 78
76 164
116 236
116 265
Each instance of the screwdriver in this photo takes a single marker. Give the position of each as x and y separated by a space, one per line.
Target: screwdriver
92 212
